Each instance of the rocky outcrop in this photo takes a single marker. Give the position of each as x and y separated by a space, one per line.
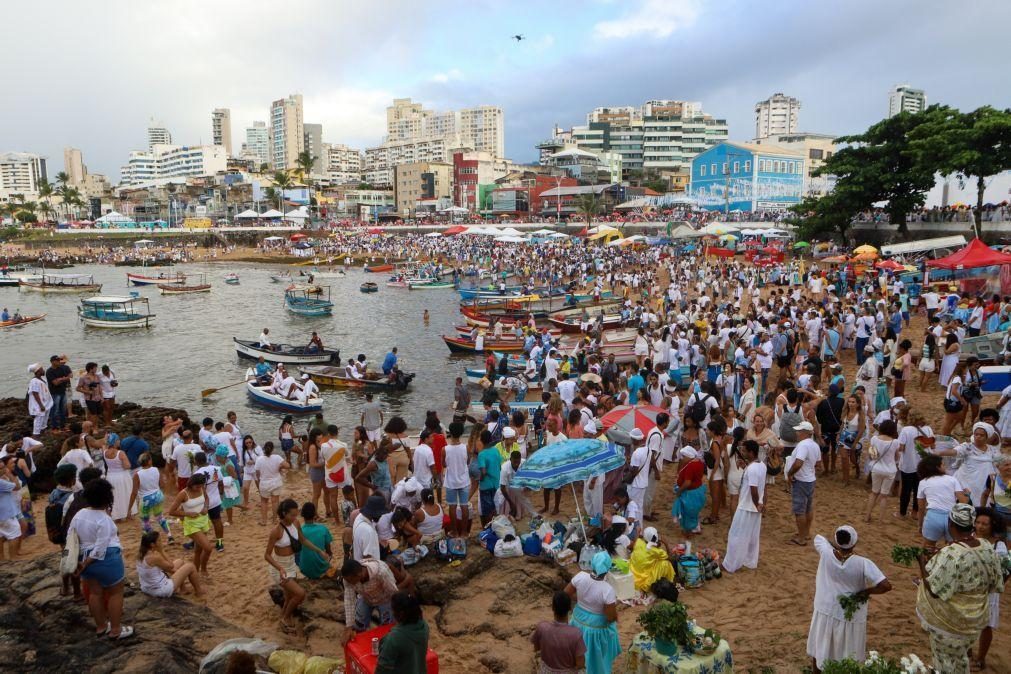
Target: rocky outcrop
14 420
44 632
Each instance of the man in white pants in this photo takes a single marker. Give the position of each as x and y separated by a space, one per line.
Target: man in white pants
40 401
640 465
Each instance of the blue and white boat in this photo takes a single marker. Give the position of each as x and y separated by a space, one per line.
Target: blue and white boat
118 313
263 396
303 303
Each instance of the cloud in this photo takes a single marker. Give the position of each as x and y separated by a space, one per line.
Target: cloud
451 75
652 18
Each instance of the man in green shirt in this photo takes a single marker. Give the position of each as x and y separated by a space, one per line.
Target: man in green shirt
490 462
404 649
310 563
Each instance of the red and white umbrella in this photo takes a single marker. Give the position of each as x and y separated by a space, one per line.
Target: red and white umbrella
622 419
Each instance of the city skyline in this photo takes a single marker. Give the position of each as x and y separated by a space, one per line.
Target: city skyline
841 62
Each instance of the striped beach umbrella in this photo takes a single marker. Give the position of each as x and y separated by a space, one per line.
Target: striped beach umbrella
566 462
626 417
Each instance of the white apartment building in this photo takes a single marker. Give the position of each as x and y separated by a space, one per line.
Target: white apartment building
221 129
165 163
903 98
257 145
776 115
20 173
342 164
157 135
287 132
481 128
380 161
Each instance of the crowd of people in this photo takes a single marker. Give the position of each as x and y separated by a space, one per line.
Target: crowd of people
744 374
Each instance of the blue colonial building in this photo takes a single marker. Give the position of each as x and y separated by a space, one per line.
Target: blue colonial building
746 177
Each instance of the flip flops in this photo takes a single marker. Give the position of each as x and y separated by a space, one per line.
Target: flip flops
125 632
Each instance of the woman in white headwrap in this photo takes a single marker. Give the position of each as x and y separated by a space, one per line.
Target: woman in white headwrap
832 636
690 490
974 460
745 530
650 560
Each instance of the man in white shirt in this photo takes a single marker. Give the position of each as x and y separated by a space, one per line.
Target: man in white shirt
424 462
641 466
264 340
551 366
364 537
654 443
567 390
40 400
182 456
932 302
801 476
457 481
308 389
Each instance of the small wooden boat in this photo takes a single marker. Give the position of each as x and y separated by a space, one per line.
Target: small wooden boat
63 284
571 324
196 283
335 376
475 377
25 320
397 284
232 279
161 279
465 330
116 313
281 278
986 347
302 303
430 285
9 281
263 396
369 287
464 345
378 268
285 353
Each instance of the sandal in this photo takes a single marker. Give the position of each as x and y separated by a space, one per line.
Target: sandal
125 632
796 542
710 520
286 628
108 626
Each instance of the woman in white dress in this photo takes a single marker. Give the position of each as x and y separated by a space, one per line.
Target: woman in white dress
117 472
832 636
974 461
1004 422
950 358
746 528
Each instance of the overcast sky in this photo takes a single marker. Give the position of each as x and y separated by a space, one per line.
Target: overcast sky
91 74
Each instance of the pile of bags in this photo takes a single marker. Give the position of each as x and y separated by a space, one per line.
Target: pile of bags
560 541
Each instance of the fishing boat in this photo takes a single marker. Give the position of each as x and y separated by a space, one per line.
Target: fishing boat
306 288
25 320
464 345
378 268
232 279
263 396
397 284
160 279
475 377
6 280
506 336
337 378
285 353
429 285
116 313
196 283
571 323
986 347
302 302
369 287
324 274
62 283
284 277
477 410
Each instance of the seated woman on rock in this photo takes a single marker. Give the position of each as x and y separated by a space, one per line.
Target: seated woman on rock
650 560
161 577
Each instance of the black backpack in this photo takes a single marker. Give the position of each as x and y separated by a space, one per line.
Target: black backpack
54 523
540 415
698 411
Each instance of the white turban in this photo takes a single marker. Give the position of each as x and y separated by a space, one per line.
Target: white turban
650 535
987 428
688 453
33 368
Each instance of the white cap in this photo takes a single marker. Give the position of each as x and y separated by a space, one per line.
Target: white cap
508 432
688 453
305 376
636 434
804 426
896 401
853 536
618 519
412 485
33 368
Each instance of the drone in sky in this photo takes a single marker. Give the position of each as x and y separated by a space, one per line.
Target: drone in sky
519 37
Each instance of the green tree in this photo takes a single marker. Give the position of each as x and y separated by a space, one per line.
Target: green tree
828 216
46 193
282 181
970 145
588 205
305 162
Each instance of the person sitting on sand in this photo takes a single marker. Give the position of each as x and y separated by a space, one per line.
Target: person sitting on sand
161 577
285 539
650 560
405 649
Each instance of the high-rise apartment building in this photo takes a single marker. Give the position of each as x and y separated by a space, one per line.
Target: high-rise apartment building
313 143
342 163
481 128
166 162
421 181
660 135
73 166
20 173
776 115
903 98
157 135
257 145
221 129
287 134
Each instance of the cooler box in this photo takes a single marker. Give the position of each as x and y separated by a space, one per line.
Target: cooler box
623 584
995 378
358 658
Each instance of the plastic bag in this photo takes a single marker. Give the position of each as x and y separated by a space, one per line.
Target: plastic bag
287 662
218 654
510 548
586 556
317 664
502 526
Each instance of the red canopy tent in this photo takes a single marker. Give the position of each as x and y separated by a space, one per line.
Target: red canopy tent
976 254
455 229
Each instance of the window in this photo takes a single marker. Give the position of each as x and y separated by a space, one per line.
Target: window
712 169
747 166
724 168
702 171
737 167
816 154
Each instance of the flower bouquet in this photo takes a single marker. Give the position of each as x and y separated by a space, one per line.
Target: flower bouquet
906 555
851 603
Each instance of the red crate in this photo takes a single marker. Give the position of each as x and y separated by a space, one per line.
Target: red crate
358 658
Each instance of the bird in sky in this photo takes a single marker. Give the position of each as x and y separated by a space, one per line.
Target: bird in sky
519 37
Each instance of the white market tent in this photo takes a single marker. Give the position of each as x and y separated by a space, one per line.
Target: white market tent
247 214
272 213
543 232
433 235
114 218
296 214
601 228
718 228
483 231
142 243
510 231
510 239
274 238
558 235
685 232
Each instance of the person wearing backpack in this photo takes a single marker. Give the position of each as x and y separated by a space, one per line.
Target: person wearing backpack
701 403
65 476
791 415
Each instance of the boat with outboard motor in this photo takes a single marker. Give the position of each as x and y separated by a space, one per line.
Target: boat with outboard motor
285 353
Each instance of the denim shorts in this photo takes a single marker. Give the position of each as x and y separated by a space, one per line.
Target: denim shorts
935 525
109 571
458 496
802 495
487 502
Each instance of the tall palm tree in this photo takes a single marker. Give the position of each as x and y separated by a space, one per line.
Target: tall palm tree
305 162
282 182
62 185
588 206
72 199
46 193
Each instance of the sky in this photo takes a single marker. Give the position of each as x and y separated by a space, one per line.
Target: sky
92 74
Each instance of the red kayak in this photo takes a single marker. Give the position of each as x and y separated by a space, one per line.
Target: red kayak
378 268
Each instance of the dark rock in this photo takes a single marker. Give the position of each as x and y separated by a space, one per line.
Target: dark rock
40 631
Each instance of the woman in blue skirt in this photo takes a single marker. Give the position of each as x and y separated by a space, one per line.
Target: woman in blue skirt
596 614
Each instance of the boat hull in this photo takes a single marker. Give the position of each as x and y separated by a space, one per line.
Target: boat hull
125 323
333 377
261 396
368 288
475 377
459 345
25 320
477 409
310 307
184 290
140 280
61 290
430 286
284 353
378 268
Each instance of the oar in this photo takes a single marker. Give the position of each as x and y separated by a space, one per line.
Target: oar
208 391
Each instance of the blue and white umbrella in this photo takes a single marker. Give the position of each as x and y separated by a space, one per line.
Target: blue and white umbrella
567 462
